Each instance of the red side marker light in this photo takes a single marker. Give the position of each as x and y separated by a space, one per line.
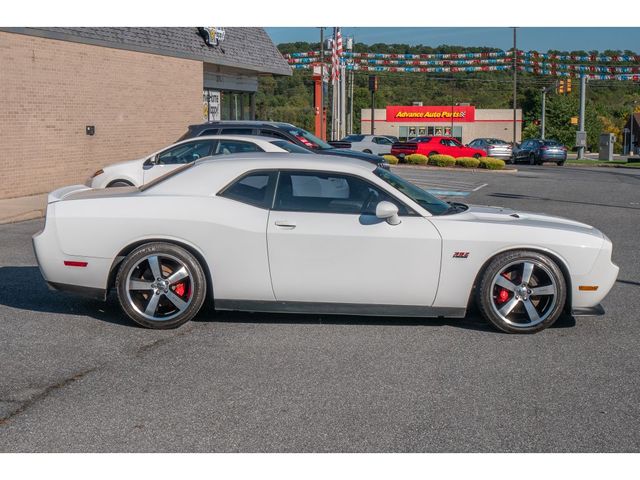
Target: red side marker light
70 263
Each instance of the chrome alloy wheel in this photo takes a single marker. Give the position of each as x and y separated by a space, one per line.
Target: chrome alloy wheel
159 287
524 293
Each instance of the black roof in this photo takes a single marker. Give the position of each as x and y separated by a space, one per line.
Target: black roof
243 47
253 123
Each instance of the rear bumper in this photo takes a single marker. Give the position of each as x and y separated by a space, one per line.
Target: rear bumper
553 156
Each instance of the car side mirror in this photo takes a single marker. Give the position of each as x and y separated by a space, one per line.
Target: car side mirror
389 212
149 162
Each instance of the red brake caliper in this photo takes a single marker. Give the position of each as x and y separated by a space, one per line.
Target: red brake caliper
503 296
179 289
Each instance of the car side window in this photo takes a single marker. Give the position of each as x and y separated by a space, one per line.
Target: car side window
226 147
185 153
322 192
273 133
237 131
253 189
382 141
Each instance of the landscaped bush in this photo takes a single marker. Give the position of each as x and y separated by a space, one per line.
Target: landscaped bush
492 163
442 160
416 159
392 159
467 162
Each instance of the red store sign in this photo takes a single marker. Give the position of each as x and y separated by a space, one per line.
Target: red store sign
431 114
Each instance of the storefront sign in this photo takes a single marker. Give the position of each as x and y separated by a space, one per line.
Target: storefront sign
211 106
431 114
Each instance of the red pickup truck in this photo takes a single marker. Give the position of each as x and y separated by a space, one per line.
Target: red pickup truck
435 145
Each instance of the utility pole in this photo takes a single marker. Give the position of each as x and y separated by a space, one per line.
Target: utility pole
322 110
583 88
544 109
515 84
545 90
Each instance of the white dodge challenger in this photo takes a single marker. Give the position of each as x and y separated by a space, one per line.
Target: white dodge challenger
316 234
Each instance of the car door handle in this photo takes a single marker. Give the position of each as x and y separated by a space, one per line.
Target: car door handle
285 224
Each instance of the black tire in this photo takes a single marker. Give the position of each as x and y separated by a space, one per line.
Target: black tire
165 314
476 156
431 154
532 159
561 163
366 150
545 273
120 183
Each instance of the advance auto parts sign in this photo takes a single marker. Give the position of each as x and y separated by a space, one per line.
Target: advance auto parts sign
431 114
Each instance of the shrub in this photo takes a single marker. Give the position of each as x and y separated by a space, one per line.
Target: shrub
492 163
468 162
442 160
416 159
392 159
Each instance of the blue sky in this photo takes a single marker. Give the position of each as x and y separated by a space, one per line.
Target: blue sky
529 38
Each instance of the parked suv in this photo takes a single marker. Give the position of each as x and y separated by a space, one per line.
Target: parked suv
536 151
280 130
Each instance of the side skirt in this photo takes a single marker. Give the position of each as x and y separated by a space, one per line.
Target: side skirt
89 292
340 308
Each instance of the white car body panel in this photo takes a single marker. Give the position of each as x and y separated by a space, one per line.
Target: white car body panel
333 258
367 143
325 259
136 173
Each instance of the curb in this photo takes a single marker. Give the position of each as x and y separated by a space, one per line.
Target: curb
449 169
22 217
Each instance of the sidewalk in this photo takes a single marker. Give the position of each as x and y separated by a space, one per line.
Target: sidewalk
22 208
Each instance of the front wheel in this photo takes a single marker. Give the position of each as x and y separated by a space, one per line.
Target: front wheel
476 156
431 154
521 292
532 159
160 285
561 163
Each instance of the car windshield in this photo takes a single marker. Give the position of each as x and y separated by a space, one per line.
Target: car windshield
290 147
427 201
309 140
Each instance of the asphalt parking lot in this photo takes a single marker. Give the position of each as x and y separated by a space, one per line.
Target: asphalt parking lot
76 376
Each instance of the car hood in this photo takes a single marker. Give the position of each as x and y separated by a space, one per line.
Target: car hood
502 215
127 163
345 152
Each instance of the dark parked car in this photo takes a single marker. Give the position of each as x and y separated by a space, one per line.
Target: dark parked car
535 151
494 147
283 131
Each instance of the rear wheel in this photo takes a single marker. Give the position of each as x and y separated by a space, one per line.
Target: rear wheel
366 150
160 285
561 163
476 155
431 154
522 292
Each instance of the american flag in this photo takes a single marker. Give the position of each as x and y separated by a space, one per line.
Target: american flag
336 53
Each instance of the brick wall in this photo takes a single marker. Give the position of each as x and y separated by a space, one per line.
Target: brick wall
50 90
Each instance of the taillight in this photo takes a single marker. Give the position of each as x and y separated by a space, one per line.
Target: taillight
306 142
544 148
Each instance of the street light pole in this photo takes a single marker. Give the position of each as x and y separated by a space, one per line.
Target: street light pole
515 84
